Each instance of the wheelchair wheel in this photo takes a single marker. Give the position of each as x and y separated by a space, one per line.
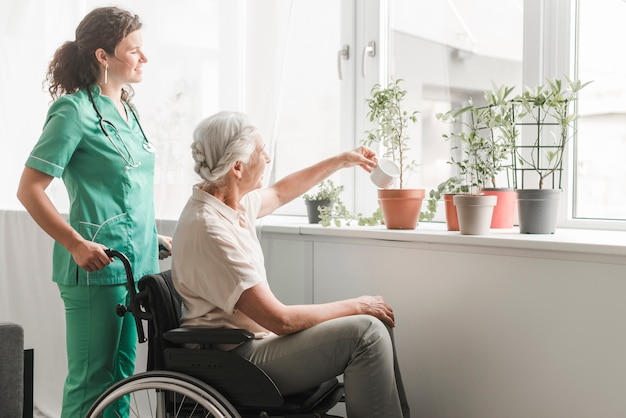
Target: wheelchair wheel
162 394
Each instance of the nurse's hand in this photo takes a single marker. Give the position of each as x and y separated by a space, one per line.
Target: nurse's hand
165 246
90 256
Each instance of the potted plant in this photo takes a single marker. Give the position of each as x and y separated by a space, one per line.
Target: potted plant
400 206
498 117
547 121
446 191
325 200
324 206
487 139
474 209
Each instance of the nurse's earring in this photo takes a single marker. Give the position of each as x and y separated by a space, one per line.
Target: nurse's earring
106 73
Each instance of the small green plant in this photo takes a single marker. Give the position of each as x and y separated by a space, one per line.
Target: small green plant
327 195
336 212
546 109
499 122
392 123
453 185
374 219
326 190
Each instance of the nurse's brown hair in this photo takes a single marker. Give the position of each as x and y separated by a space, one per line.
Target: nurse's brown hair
74 65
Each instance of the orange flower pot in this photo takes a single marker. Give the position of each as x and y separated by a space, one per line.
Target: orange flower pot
504 211
401 207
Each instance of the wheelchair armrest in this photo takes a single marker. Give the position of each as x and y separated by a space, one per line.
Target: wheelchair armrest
208 335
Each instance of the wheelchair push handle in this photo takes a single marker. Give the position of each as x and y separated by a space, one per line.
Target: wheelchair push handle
133 307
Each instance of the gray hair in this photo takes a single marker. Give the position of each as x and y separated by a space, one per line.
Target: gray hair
219 141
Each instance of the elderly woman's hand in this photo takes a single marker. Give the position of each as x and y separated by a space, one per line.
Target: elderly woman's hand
376 306
361 156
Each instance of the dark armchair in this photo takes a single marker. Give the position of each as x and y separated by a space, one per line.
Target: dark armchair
11 370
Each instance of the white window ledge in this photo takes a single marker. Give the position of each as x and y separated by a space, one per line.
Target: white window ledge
575 244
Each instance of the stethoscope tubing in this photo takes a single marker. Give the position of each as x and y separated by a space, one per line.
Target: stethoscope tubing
130 161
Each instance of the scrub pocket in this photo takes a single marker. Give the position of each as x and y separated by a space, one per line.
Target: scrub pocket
112 233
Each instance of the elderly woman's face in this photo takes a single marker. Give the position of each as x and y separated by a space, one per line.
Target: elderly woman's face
255 169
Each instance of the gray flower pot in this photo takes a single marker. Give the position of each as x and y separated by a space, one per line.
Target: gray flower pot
311 209
537 210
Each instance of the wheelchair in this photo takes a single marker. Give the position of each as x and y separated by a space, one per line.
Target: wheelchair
198 382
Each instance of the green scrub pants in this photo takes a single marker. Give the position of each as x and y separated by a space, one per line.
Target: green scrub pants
100 345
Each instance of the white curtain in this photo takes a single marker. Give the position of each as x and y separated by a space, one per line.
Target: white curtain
32 300
28 296
196 68
204 56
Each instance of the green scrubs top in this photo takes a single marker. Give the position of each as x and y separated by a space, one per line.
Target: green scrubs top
111 203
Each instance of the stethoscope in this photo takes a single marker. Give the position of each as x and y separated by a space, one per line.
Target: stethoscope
130 160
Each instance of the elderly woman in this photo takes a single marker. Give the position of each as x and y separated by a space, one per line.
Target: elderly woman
218 268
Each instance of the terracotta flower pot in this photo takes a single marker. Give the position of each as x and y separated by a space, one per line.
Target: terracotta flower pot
504 211
401 207
452 219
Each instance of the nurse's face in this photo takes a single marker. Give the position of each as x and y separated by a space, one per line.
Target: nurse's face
253 175
125 67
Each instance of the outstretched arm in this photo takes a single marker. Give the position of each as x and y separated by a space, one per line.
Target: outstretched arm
295 184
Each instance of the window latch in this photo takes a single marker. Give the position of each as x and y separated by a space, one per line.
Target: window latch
343 53
369 50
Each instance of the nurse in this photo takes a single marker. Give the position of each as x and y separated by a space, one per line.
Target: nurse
92 139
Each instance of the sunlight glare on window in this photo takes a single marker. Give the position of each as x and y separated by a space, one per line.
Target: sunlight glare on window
600 190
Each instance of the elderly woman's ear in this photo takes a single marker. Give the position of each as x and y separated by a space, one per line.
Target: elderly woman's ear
237 167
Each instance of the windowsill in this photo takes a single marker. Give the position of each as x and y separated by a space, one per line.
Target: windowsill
607 245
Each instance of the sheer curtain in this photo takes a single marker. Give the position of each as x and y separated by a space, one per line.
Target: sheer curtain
27 40
27 294
204 56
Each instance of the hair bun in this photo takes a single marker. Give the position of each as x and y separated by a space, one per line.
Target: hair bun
197 152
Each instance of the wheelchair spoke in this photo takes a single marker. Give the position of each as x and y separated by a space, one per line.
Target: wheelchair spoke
162 395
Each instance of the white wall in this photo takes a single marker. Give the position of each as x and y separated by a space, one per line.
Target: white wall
482 331
504 325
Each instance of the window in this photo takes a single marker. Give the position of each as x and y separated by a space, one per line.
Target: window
600 190
295 87
448 52
274 59
279 61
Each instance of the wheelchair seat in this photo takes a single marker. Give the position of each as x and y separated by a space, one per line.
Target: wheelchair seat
250 390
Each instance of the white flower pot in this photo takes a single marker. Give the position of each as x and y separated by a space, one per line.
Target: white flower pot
474 213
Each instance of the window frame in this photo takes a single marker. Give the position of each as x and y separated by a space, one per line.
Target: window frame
550 41
549 52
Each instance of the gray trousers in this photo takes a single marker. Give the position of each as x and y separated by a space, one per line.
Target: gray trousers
360 347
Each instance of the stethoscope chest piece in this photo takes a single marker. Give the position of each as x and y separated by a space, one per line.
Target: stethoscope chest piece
147 145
